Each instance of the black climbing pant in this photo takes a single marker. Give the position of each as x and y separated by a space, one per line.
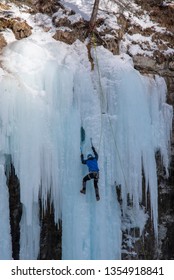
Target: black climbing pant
91 175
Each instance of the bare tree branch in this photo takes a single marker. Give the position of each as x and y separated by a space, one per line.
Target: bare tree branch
94 15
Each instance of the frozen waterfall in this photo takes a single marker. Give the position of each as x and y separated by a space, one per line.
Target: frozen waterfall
47 92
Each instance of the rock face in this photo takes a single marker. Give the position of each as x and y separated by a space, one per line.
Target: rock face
162 67
15 211
166 217
3 43
160 63
21 29
51 235
44 6
79 30
67 37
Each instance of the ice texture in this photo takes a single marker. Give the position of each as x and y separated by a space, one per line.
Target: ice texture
47 92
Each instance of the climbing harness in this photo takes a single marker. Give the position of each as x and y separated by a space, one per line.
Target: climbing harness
95 174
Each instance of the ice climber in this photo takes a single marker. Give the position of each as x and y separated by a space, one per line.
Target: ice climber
92 164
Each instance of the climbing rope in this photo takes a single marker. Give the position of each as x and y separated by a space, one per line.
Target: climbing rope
100 90
105 113
99 75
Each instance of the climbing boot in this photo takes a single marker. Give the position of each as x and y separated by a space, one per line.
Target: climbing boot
83 191
97 193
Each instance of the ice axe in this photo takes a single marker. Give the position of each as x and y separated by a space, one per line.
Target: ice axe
81 150
82 134
91 142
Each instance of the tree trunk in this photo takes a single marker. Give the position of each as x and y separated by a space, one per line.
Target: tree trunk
94 15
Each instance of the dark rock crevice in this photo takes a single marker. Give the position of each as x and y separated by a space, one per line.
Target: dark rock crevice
15 211
51 234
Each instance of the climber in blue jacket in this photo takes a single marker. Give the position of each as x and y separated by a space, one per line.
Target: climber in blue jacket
92 164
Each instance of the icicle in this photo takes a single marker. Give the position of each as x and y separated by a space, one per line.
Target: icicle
30 235
142 126
47 91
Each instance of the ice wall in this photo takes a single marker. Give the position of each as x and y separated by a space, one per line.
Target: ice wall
139 124
47 92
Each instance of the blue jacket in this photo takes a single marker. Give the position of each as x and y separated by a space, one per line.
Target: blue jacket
91 162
